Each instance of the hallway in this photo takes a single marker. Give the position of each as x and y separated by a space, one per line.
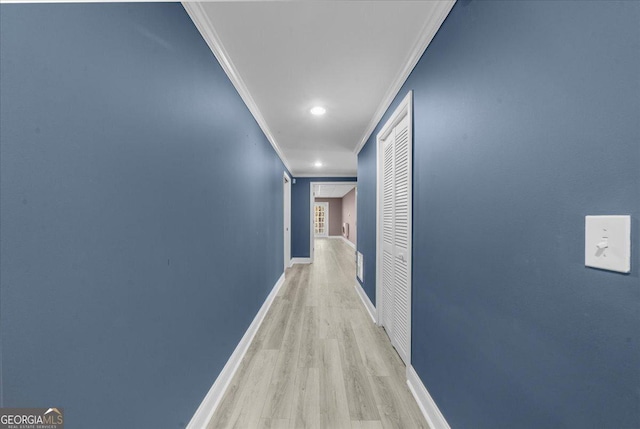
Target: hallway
318 360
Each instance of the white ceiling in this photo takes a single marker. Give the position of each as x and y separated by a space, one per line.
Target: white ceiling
332 191
349 56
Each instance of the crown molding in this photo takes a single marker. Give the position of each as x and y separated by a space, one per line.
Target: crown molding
428 32
199 17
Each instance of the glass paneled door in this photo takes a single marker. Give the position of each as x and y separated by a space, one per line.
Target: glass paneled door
321 219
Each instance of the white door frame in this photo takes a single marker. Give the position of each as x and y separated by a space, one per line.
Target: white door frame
405 108
287 219
311 201
326 218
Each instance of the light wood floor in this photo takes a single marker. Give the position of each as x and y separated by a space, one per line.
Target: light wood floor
318 361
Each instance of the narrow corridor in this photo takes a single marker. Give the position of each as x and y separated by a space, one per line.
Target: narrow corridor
318 360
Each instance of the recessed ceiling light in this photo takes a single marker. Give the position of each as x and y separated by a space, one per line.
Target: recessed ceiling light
318 111
318 164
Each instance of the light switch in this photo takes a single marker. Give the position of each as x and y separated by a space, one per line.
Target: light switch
607 243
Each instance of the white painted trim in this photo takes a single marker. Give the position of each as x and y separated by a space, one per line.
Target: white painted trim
346 240
404 109
378 257
311 201
300 261
366 301
199 17
427 405
287 225
211 401
341 237
428 32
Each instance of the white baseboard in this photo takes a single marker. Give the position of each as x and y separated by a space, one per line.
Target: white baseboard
211 401
346 240
428 407
300 261
367 302
343 238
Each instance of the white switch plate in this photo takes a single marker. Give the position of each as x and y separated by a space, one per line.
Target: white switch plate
607 243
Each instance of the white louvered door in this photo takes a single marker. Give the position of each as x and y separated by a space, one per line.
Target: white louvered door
395 153
388 246
401 328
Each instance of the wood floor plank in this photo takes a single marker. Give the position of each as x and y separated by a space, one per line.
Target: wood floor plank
310 341
302 288
306 413
325 319
317 282
277 328
334 409
375 363
292 278
270 319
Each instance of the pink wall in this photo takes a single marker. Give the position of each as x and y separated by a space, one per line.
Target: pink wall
349 214
335 214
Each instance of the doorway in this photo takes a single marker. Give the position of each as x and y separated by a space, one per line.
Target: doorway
394 227
335 223
320 219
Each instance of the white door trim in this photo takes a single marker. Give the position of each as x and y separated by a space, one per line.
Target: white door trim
404 109
311 201
287 219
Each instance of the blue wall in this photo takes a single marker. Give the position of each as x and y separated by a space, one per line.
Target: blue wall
526 120
300 214
366 201
141 211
